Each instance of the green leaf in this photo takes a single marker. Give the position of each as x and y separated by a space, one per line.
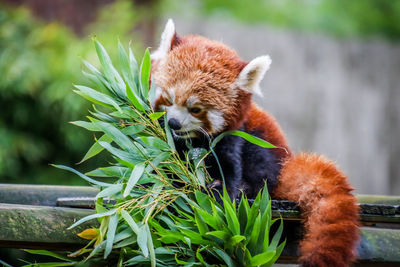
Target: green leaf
224 236
112 227
252 139
104 60
133 65
130 221
195 237
90 180
278 252
93 216
96 148
109 191
243 210
137 172
87 125
225 257
262 258
133 129
51 264
201 225
112 171
255 232
96 97
136 101
208 218
142 241
102 116
96 81
145 73
236 239
150 246
136 260
156 115
5 264
116 135
132 158
155 142
47 253
231 218
277 236
171 237
126 70
203 200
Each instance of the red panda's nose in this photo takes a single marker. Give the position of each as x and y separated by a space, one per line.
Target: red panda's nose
174 124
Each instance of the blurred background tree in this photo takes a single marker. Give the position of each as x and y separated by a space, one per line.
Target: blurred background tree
39 61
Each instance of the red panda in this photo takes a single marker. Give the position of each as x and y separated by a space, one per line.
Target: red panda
206 89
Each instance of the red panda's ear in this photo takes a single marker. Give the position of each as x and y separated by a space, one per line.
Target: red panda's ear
169 39
250 77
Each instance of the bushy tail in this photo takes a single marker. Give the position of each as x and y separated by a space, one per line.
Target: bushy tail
331 217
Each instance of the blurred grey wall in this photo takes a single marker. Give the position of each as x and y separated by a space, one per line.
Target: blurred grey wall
340 98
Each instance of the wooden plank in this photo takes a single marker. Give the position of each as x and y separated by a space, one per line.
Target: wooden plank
27 226
370 213
42 195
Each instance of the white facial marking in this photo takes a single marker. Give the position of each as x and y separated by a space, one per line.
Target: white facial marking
171 92
216 119
250 77
157 96
166 40
191 101
188 122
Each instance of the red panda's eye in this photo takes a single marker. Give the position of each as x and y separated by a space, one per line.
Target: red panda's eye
194 110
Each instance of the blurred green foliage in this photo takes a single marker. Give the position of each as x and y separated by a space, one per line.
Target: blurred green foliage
38 64
340 18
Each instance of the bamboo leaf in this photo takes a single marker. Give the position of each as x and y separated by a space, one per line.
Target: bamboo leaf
252 139
47 253
96 148
112 227
223 235
133 65
262 258
96 97
130 221
225 257
137 172
109 191
90 180
142 241
150 246
116 135
278 252
156 115
87 125
201 225
231 218
93 216
145 73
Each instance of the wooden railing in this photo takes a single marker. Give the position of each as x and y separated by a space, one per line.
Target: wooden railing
37 216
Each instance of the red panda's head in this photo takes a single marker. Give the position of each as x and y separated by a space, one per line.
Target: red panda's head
203 85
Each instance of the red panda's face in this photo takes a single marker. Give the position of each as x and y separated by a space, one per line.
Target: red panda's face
203 86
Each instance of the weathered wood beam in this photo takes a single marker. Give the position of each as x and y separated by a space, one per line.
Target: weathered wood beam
44 227
42 195
374 209
27 226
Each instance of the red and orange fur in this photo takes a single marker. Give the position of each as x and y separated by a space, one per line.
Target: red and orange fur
196 66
